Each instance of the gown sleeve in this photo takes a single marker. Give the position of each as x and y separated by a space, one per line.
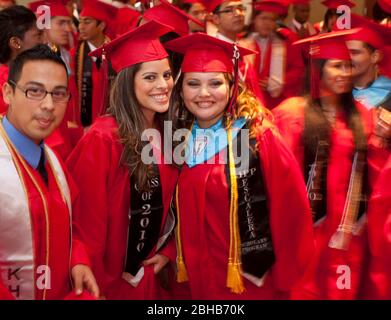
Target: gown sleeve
290 214
89 165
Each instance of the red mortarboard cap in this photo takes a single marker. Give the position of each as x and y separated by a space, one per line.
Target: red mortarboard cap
334 4
385 5
204 53
213 4
99 10
57 7
126 19
278 6
300 1
329 45
172 16
135 46
370 32
192 1
326 46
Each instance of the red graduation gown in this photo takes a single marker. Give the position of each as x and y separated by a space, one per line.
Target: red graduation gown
102 221
378 280
293 64
205 228
58 256
3 79
320 281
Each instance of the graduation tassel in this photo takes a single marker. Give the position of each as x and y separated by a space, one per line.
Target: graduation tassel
342 237
181 275
105 90
232 103
234 278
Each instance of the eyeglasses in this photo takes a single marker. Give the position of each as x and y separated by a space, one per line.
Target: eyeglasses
233 9
38 94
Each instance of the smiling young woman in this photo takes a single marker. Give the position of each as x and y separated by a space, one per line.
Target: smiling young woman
124 218
331 136
235 240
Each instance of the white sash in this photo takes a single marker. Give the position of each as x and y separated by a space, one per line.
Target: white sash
17 264
277 68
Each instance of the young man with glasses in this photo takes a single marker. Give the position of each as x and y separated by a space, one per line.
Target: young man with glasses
228 16
36 194
197 10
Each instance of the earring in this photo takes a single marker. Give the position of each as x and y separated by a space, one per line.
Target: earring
182 111
18 46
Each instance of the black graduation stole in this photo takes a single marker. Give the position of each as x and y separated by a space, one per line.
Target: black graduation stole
146 216
316 153
257 253
84 82
386 104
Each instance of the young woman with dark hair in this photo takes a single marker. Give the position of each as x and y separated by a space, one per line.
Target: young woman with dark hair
330 134
125 192
18 33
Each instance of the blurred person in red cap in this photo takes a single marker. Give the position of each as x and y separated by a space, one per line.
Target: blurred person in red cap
382 12
196 9
124 219
368 49
127 16
18 33
235 240
39 256
279 64
331 16
299 23
332 137
228 17
178 20
91 76
57 37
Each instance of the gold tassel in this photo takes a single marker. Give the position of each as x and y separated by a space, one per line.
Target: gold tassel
234 278
181 275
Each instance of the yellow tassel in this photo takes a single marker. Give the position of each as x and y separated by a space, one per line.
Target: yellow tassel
181 275
234 279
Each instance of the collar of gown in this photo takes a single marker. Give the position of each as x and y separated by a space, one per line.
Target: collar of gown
203 144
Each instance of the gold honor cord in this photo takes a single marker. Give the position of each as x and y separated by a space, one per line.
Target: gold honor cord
181 267
234 278
80 65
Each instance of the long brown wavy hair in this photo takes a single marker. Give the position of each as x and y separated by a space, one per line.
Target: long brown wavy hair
126 110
